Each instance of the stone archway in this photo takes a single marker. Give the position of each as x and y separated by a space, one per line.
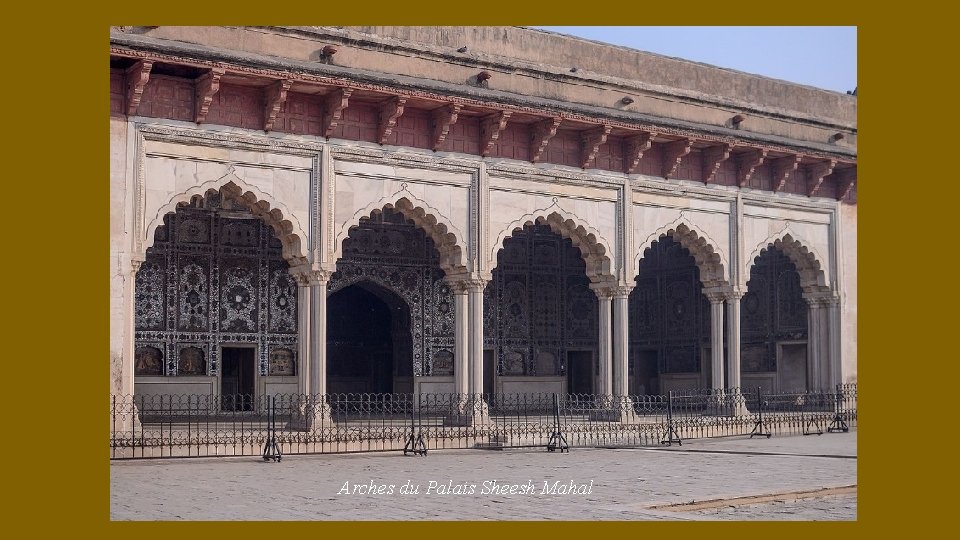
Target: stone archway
215 280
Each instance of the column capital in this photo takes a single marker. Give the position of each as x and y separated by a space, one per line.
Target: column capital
607 289
602 290
821 299
464 283
716 295
734 293
307 276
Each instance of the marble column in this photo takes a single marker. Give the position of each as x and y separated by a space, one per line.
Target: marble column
127 369
303 332
621 336
834 364
318 332
604 385
814 343
716 299
733 338
461 331
475 334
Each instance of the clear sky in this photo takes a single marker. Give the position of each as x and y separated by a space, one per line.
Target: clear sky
821 56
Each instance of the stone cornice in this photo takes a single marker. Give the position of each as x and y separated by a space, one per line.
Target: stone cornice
140 47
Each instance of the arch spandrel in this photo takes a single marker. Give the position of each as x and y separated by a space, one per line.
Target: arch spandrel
594 248
710 257
285 225
813 277
447 238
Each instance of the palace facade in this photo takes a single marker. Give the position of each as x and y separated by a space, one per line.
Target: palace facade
470 209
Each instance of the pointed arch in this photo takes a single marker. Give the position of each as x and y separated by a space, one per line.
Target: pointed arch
593 247
447 238
806 259
705 251
287 228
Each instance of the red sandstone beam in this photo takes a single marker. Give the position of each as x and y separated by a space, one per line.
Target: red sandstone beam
137 77
274 97
333 105
540 134
673 153
490 128
590 141
206 87
390 111
635 146
816 172
747 164
713 157
443 118
782 169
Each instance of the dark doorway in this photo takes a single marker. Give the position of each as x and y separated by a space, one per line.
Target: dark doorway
580 372
237 378
488 373
368 335
647 375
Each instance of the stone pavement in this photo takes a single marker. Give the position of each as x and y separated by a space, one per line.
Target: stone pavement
607 484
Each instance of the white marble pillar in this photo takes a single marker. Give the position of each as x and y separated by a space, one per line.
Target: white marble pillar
814 344
621 337
318 333
834 372
733 338
604 384
461 331
475 339
303 333
716 339
127 369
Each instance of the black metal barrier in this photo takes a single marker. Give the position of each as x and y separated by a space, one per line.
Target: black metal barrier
160 426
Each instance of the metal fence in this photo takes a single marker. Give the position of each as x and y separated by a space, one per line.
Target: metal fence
239 425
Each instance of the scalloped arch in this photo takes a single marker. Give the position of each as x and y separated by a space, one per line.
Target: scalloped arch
592 245
806 259
447 238
275 214
709 258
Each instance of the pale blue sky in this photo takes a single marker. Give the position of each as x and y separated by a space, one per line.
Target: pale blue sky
821 56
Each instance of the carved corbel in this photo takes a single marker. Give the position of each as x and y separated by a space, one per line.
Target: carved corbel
782 169
591 141
137 77
816 172
635 146
206 87
847 179
333 105
274 98
491 127
540 135
713 157
747 164
390 111
673 153
443 118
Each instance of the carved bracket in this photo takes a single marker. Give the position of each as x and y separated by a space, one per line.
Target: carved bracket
333 105
274 97
490 128
635 147
540 135
390 111
137 77
816 173
673 153
206 87
443 118
848 179
782 168
591 141
747 164
713 157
